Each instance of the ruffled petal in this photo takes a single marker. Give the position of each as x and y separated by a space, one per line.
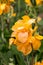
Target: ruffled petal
39 37
35 43
26 18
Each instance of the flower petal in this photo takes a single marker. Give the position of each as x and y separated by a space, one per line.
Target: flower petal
39 37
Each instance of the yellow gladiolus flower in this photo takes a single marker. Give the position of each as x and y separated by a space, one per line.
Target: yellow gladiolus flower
23 36
39 63
39 2
7 8
2 7
22 32
11 0
28 2
22 41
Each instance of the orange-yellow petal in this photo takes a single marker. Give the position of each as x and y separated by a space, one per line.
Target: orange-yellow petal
11 41
11 0
1 11
38 2
39 37
13 34
42 62
26 18
35 43
39 63
18 25
28 2
3 6
28 49
25 49
7 8
31 21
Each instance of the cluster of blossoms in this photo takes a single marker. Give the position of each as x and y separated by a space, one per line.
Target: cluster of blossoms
5 6
38 2
24 36
39 63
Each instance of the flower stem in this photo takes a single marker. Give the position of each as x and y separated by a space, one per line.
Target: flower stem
27 60
2 28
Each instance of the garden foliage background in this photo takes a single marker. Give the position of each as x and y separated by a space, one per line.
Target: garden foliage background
12 56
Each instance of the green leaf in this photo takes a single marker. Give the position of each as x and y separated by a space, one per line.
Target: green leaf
33 2
41 48
41 23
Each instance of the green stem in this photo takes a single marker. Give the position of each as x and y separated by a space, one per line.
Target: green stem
32 59
2 28
27 60
18 9
36 58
